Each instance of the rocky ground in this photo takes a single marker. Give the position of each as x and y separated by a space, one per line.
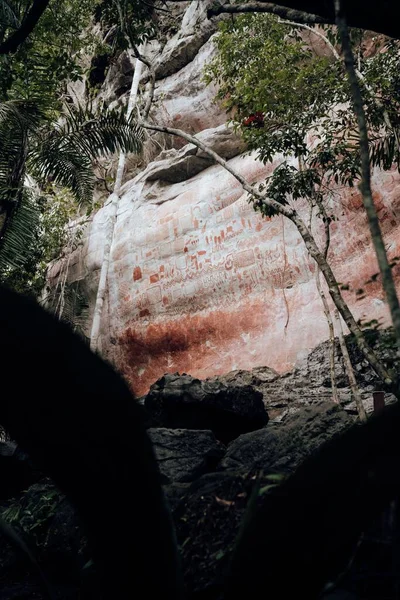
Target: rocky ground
215 441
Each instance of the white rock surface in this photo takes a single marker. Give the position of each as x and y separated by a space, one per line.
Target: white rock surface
199 282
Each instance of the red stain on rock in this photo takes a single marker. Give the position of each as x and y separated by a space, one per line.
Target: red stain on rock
190 339
144 313
154 278
137 273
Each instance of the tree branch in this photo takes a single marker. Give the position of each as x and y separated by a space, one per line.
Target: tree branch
315 32
348 367
130 38
360 75
267 7
325 304
12 43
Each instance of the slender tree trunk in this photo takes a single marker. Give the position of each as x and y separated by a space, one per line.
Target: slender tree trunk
341 305
327 312
349 369
365 185
61 299
346 357
112 218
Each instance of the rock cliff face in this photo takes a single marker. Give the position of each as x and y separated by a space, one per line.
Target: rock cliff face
199 282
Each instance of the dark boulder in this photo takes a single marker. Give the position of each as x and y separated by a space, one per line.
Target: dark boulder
183 455
227 409
282 447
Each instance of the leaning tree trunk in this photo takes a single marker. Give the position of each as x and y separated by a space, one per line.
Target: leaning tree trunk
327 312
348 367
335 393
112 218
365 185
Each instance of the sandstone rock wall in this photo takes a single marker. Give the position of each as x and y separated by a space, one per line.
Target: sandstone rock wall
199 282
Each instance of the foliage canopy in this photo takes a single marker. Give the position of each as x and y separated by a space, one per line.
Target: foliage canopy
265 67
41 135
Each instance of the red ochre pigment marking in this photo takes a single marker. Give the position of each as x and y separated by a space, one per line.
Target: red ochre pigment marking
137 273
187 343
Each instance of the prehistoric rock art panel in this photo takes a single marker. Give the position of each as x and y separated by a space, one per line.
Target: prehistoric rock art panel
213 286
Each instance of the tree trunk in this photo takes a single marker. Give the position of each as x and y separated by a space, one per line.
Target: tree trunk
365 185
112 218
349 370
335 393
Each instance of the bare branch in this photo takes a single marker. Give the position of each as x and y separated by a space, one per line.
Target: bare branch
138 55
315 32
325 304
124 24
267 7
348 367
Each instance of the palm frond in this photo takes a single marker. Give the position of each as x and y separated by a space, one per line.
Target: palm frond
18 119
64 165
63 154
28 114
16 245
76 309
96 134
8 15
